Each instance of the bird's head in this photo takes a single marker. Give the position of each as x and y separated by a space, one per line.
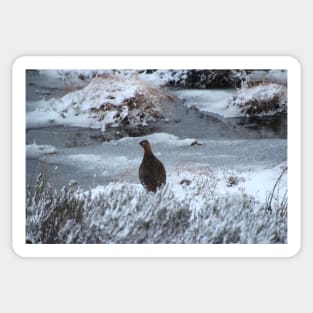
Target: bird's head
146 145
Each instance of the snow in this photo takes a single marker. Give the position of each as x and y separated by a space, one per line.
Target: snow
34 151
160 138
191 184
257 181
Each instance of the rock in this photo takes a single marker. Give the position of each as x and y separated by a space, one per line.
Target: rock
185 182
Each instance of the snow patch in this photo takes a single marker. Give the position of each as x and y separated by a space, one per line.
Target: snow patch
257 182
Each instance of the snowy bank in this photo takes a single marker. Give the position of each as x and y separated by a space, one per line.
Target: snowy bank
105 102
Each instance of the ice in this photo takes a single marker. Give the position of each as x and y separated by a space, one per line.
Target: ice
34 151
160 138
213 101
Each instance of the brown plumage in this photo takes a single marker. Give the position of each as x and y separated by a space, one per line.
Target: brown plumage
151 171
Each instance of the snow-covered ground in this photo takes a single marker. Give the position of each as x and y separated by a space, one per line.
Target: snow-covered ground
193 184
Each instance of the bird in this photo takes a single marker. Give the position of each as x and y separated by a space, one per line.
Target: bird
152 174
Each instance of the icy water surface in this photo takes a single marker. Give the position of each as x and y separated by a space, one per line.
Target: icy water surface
40 86
91 157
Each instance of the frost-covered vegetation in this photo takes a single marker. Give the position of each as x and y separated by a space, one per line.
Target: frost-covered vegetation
125 213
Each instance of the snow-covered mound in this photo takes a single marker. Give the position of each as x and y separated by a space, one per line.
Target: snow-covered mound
262 99
105 102
34 151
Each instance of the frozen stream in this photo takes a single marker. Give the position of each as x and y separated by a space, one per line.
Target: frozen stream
187 139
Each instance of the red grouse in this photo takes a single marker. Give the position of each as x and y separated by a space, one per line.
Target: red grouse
151 171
